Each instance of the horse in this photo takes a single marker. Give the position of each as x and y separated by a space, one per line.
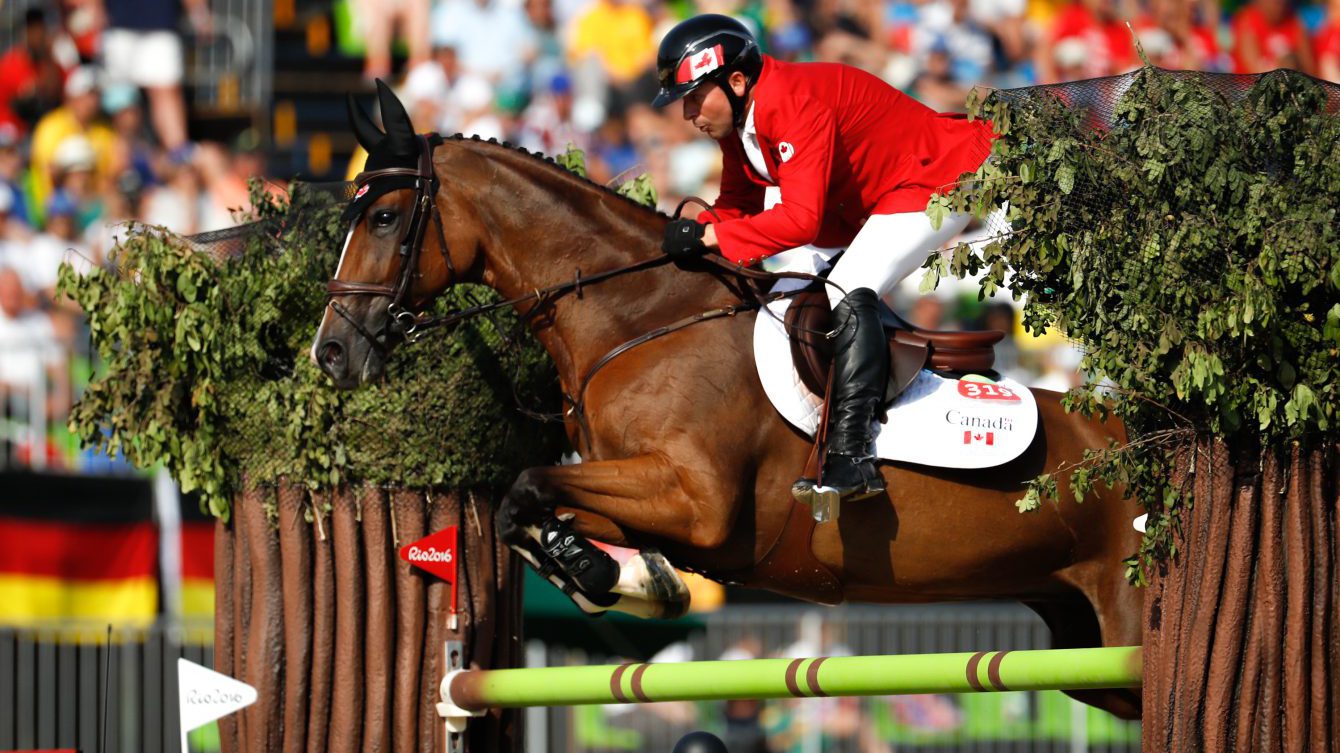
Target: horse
680 449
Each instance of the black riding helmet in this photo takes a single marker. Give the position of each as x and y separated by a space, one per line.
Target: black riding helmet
706 48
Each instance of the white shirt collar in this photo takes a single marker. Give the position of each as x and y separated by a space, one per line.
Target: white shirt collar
752 149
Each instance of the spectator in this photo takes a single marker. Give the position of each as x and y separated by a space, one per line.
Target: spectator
617 34
13 171
430 94
1174 37
41 260
73 167
120 210
378 19
1267 35
225 178
76 117
928 312
141 47
1071 59
175 203
131 149
936 85
744 728
475 97
546 126
1097 24
1327 44
1005 21
14 236
29 352
613 152
1001 316
844 33
30 77
492 38
547 46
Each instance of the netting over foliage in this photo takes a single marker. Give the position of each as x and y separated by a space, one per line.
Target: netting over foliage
1182 228
205 340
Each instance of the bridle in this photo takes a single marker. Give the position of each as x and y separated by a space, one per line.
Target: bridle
424 181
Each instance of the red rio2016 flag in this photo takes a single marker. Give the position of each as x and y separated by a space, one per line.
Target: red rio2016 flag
979 437
437 554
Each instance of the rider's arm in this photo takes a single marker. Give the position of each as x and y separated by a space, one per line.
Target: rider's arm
806 131
740 196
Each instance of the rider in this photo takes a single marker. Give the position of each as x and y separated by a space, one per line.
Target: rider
855 161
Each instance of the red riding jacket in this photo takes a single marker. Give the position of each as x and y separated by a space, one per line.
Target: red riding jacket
842 145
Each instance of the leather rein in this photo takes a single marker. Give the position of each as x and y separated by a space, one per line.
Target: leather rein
412 326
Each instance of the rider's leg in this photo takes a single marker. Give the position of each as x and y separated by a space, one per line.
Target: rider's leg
860 371
888 249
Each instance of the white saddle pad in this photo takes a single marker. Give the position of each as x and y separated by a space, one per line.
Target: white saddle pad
951 423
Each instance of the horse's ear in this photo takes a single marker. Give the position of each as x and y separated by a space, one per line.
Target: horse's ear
368 135
400 139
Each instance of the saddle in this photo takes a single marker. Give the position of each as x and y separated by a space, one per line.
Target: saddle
911 348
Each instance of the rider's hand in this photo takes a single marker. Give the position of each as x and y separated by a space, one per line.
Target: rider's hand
684 239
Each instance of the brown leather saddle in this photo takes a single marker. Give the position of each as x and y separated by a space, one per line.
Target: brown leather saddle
911 348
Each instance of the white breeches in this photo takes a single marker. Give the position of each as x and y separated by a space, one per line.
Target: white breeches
889 248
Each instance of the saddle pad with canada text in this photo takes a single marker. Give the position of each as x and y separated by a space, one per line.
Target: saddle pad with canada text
973 422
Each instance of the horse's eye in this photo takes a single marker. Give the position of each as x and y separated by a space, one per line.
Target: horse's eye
383 218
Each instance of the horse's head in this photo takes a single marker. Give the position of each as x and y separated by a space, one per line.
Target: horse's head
395 258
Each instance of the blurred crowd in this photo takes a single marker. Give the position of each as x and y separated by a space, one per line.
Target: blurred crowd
545 73
93 136
93 120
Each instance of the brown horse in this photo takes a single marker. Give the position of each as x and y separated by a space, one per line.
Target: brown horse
681 450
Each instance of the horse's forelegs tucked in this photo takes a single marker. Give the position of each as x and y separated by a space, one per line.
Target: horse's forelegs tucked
642 494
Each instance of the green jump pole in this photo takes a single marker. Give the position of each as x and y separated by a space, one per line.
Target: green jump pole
984 671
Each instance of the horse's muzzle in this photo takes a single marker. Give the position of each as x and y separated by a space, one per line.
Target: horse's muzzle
333 358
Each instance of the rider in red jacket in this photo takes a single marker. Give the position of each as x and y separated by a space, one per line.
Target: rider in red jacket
855 161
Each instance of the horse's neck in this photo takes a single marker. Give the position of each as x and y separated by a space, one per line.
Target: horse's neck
545 227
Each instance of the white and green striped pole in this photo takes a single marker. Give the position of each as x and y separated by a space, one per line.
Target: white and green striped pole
470 692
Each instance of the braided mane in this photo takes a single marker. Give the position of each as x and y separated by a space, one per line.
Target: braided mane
549 161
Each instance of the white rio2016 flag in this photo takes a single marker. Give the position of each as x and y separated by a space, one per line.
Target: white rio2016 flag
206 695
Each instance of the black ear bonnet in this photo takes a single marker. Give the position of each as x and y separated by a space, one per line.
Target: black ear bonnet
396 147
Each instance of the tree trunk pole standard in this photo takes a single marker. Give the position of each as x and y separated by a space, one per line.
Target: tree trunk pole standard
984 671
344 641
1242 625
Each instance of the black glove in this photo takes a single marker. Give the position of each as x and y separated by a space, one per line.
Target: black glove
684 239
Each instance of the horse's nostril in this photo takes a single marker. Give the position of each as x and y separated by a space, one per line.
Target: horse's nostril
332 354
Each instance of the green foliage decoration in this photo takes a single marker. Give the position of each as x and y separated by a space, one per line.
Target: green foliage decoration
638 188
1187 240
205 369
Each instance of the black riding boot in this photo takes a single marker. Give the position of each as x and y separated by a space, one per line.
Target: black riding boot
860 375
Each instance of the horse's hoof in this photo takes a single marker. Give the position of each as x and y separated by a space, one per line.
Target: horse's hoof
649 577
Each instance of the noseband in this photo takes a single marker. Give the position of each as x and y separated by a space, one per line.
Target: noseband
425 183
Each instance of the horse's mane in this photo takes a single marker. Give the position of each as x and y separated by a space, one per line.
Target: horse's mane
549 162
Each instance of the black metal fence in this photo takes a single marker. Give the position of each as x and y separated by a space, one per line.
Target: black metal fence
56 690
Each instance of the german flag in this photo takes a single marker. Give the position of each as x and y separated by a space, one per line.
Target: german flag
77 548
197 560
